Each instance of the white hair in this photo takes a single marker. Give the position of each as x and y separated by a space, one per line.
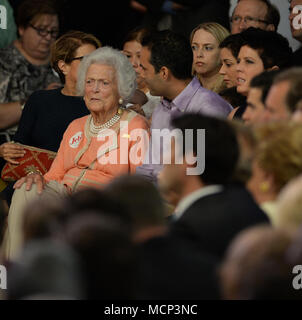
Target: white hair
124 71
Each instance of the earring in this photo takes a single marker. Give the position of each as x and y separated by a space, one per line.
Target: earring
264 186
120 101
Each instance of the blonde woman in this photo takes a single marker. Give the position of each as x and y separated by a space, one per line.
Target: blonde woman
205 40
277 159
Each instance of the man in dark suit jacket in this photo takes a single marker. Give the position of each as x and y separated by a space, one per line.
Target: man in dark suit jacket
209 210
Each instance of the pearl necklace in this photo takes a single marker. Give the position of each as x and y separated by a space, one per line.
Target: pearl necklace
95 129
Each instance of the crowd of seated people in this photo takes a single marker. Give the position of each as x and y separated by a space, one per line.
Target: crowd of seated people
178 168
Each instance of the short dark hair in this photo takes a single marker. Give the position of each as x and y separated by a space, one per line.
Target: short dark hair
233 42
294 94
264 81
96 200
141 198
221 146
29 10
171 50
272 47
106 253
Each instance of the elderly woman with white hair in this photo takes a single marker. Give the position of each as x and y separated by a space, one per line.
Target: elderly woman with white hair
96 148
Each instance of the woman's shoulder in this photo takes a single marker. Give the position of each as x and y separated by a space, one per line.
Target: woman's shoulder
9 58
135 119
75 129
46 94
43 99
78 123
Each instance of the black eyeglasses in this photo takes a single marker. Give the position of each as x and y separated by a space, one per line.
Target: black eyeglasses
77 58
45 33
247 20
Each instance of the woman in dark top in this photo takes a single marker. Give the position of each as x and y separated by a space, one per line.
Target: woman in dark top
46 116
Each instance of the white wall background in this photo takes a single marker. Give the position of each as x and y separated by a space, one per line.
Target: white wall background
284 28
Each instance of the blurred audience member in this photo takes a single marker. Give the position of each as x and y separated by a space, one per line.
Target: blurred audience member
226 208
255 111
247 143
24 65
254 13
205 40
158 254
284 96
107 255
277 160
289 205
144 203
45 270
257 266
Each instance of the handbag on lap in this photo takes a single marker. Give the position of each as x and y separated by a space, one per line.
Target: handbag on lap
34 160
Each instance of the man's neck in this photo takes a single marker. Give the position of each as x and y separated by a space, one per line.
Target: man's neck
176 87
193 184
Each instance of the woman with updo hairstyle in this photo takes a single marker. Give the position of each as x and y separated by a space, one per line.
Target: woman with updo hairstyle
205 40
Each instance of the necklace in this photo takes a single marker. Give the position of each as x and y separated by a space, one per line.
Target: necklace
95 129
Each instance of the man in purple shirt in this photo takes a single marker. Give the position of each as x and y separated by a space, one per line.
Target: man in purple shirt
166 62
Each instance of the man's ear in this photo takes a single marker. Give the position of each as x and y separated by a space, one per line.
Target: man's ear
271 27
164 72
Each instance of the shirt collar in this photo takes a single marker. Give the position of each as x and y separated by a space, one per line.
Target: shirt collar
186 202
182 101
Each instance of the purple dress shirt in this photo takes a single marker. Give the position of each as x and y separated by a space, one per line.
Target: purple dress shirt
193 99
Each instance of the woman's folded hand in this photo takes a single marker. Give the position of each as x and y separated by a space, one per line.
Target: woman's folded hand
10 152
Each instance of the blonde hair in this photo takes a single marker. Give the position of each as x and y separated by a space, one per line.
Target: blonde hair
279 151
215 29
219 33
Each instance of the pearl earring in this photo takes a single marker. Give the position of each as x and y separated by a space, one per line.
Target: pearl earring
120 101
